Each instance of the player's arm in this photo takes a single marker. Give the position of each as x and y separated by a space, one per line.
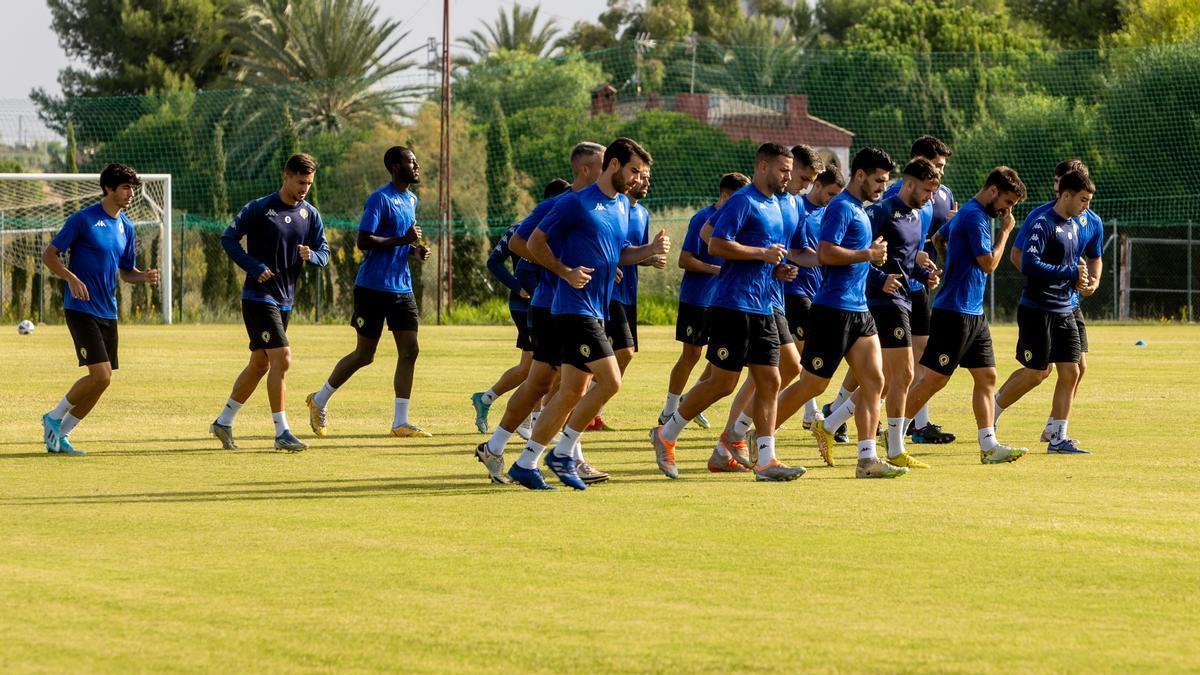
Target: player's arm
50 259
315 249
1095 267
829 253
539 248
635 255
1032 264
231 241
706 232
729 249
690 263
371 219
989 259
136 276
496 265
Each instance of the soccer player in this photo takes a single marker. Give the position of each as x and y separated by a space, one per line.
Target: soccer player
586 166
582 241
1048 330
959 334
388 236
520 289
700 269
102 246
897 218
1091 234
748 234
839 324
806 164
282 232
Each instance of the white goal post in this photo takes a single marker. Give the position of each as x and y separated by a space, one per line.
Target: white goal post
34 206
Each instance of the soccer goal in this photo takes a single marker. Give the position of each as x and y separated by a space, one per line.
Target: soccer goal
34 206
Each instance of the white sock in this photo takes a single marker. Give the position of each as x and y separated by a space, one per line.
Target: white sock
866 449
69 422
674 426
766 451
530 455
528 423
1049 429
999 409
321 398
895 432
533 417
1058 432
840 415
281 424
742 425
671 405
231 410
987 439
60 411
401 416
489 396
566 442
842 395
500 436
811 411
577 451
922 419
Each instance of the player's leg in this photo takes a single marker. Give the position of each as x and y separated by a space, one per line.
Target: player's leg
318 401
895 339
767 363
408 348
510 379
521 405
689 332
279 361
865 359
605 383
1065 354
96 348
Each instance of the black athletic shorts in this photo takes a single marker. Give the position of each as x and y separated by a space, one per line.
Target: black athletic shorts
737 339
689 325
372 307
1045 337
520 319
894 325
266 324
1083 345
95 338
957 339
798 309
621 326
832 332
583 340
781 328
921 306
547 347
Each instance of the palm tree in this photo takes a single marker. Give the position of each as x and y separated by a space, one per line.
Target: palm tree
333 61
516 31
759 58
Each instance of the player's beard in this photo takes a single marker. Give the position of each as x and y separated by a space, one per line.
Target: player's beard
990 208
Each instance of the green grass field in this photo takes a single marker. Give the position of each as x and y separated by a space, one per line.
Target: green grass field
161 552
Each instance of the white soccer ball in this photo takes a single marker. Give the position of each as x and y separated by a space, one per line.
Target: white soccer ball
26 327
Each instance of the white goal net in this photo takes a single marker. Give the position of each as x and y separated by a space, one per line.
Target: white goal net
33 207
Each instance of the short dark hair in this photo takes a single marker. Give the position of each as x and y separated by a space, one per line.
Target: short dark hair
929 147
732 182
623 150
806 156
394 155
871 159
1006 180
585 149
921 169
300 164
555 188
115 175
771 151
1075 181
831 175
1068 165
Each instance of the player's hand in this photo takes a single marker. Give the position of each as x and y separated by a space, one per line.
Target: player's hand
773 255
421 252
79 289
579 277
658 262
935 278
786 272
150 277
1082 281
953 211
305 252
661 243
892 283
1007 221
620 275
923 260
878 251
522 294
415 232
267 274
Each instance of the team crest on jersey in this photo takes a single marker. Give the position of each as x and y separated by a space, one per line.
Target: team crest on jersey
585 351
83 352
723 353
266 336
898 333
943 359
304 213
818 363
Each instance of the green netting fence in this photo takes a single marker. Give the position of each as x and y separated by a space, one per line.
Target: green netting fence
1133 115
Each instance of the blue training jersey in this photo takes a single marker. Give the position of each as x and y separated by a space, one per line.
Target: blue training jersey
388 212
530 273
968 235
626 292
1091 235
591 230
792 210
99 245
752 219
900 227
695 287
1050 262
274 231
808 280
497 265
845 224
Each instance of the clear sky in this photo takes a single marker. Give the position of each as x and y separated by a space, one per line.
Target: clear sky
32 58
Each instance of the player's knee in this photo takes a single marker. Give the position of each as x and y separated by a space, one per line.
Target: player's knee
609 387
101 378
280 360
724 385
408 351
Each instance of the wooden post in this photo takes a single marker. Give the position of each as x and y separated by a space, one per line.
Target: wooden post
1124 275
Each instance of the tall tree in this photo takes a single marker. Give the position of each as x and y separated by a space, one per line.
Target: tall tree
501 177
516 30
